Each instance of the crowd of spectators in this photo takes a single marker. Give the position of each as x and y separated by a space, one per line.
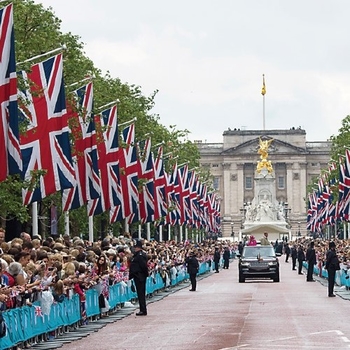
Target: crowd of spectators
65 265
321 246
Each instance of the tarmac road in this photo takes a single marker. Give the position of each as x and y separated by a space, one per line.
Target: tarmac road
225 314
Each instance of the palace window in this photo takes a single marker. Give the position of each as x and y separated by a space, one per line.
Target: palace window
248 182
280 182
216 183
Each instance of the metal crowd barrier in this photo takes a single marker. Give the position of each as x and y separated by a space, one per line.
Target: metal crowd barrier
28 323
342 277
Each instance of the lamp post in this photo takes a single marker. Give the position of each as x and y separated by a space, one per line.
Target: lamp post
299 234
232 232
286 210
243 212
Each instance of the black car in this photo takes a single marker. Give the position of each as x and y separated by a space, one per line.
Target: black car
258 262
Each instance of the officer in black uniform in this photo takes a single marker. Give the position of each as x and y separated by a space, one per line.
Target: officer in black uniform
139 272
332 265
192 269
311 261
301 259
294 255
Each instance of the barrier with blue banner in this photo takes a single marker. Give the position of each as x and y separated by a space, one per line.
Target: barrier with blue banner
27 322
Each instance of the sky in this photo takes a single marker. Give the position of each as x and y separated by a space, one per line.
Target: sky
207 59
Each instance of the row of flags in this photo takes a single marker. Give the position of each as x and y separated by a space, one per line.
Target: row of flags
323 209
67 147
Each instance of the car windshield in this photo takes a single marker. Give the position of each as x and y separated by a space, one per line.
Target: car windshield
253 252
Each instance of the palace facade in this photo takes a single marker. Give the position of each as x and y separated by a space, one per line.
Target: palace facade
233 164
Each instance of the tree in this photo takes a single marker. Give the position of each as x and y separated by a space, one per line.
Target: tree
37 31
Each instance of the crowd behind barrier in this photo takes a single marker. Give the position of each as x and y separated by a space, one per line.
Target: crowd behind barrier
28 322
47 286
321 246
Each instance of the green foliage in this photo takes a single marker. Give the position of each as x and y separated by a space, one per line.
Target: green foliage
37 31
341 141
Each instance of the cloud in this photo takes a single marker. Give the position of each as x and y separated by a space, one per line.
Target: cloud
207 59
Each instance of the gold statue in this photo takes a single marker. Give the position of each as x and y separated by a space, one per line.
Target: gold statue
263 151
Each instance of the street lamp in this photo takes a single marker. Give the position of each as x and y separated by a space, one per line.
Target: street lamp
286 210
232 232
299 234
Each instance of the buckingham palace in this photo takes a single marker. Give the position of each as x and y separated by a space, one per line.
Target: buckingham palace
295 163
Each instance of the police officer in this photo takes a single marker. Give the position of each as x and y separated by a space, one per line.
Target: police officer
139 272
332 265
301 259
294 255
311 261
217 258
192 269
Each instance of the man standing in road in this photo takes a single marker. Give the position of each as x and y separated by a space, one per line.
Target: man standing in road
216 258
226 257
294 254
192 269
311 261
332 265
286 251
301 259
139 272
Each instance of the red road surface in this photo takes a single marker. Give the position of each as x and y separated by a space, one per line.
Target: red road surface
225 314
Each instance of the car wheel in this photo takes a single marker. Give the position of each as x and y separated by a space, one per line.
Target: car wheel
241 279
277 278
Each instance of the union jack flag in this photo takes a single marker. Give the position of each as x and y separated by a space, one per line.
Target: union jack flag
82 125
174 210
129 169
203 204
108 162
146 175
38 311
193 199
10 152
160 201
45 145
344 188
182 192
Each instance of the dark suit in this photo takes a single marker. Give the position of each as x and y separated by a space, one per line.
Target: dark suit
311 260
192 269
294 254
332 265
226 257
301 259
287 251
139 272
216 259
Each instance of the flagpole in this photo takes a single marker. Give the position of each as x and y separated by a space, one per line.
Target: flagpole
128 122
79 82
108 104
264 112
263 93
63 47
